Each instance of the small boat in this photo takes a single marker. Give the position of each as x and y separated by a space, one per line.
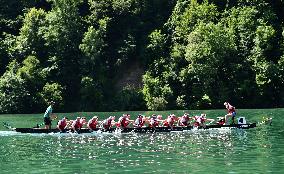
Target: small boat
137 130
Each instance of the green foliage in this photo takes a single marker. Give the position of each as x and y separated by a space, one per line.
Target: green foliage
194 54
14 97
53 92
157 104
129 99
93 46
157 45
30 40
31 71
156 92
91 95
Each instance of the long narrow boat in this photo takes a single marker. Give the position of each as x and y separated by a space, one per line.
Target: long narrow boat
138 130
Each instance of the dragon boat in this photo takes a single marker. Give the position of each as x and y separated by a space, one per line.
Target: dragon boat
242 124
136 130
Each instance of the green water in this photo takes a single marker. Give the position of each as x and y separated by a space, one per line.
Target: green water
259 150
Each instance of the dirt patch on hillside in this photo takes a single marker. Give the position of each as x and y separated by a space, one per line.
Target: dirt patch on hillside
131 75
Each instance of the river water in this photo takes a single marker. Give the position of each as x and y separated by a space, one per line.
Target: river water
258 150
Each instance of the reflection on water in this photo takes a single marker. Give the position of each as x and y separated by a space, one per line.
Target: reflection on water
217 151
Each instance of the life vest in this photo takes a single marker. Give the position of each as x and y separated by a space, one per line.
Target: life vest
169 121
199 120
77 124
153 122
107 123
184 120
139 122
231 109
62 124
123 122
92 124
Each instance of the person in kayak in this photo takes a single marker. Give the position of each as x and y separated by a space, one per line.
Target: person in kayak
92 123
231 113
48 114
62 124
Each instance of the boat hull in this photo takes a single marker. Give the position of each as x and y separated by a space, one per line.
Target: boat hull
137 130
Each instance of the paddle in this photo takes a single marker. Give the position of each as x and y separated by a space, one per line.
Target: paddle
8 126
266 121
53 117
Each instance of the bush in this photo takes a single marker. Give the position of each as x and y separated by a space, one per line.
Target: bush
129 98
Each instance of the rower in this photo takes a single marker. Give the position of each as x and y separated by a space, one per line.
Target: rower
169 122
62 124
83 121
47 115
221 120
76 125
107 123
124 121
184 120
200 120
160 119
92 123
139 122
231 113
153 122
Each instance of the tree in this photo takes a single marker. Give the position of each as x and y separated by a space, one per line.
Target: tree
53 92
63 33
14 97
91 95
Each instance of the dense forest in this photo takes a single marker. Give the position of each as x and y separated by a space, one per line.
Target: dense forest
108 55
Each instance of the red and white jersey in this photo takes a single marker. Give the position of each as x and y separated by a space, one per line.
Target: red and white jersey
77 124
153 122
139 122
62 124
184 120
199 120
107 123
92 123
123 121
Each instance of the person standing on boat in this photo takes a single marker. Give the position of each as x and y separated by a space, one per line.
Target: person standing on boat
62 124
47 115
231 113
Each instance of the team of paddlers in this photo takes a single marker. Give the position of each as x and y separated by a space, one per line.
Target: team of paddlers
140 121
